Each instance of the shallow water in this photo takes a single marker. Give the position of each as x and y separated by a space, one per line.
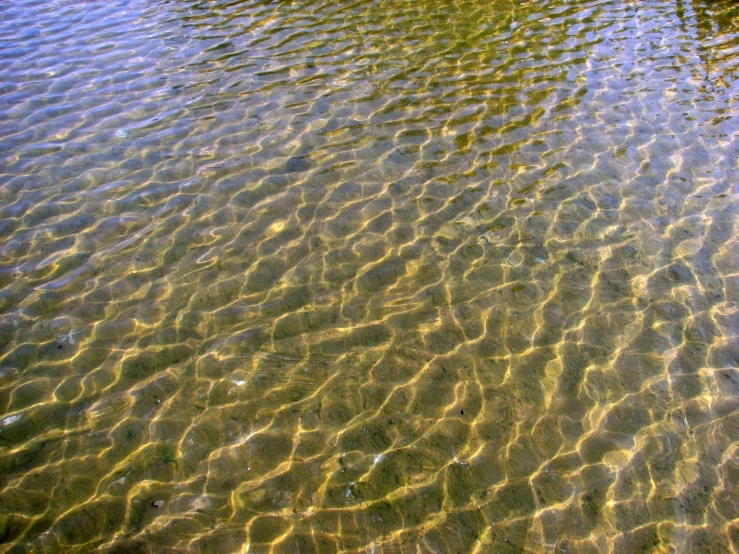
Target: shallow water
369 276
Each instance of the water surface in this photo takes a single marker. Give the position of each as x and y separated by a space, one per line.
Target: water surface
371 276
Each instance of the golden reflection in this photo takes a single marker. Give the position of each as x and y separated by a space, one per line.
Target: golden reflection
369 277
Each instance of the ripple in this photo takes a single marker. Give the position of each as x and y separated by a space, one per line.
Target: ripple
368 277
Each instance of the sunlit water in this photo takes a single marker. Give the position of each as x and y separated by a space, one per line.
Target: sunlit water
373 276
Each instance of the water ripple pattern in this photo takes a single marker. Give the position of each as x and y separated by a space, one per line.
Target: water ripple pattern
369 276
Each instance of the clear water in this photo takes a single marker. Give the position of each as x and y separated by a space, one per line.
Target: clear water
371 276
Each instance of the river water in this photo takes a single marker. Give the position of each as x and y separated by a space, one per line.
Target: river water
369 276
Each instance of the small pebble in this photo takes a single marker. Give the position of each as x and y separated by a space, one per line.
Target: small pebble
158 503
